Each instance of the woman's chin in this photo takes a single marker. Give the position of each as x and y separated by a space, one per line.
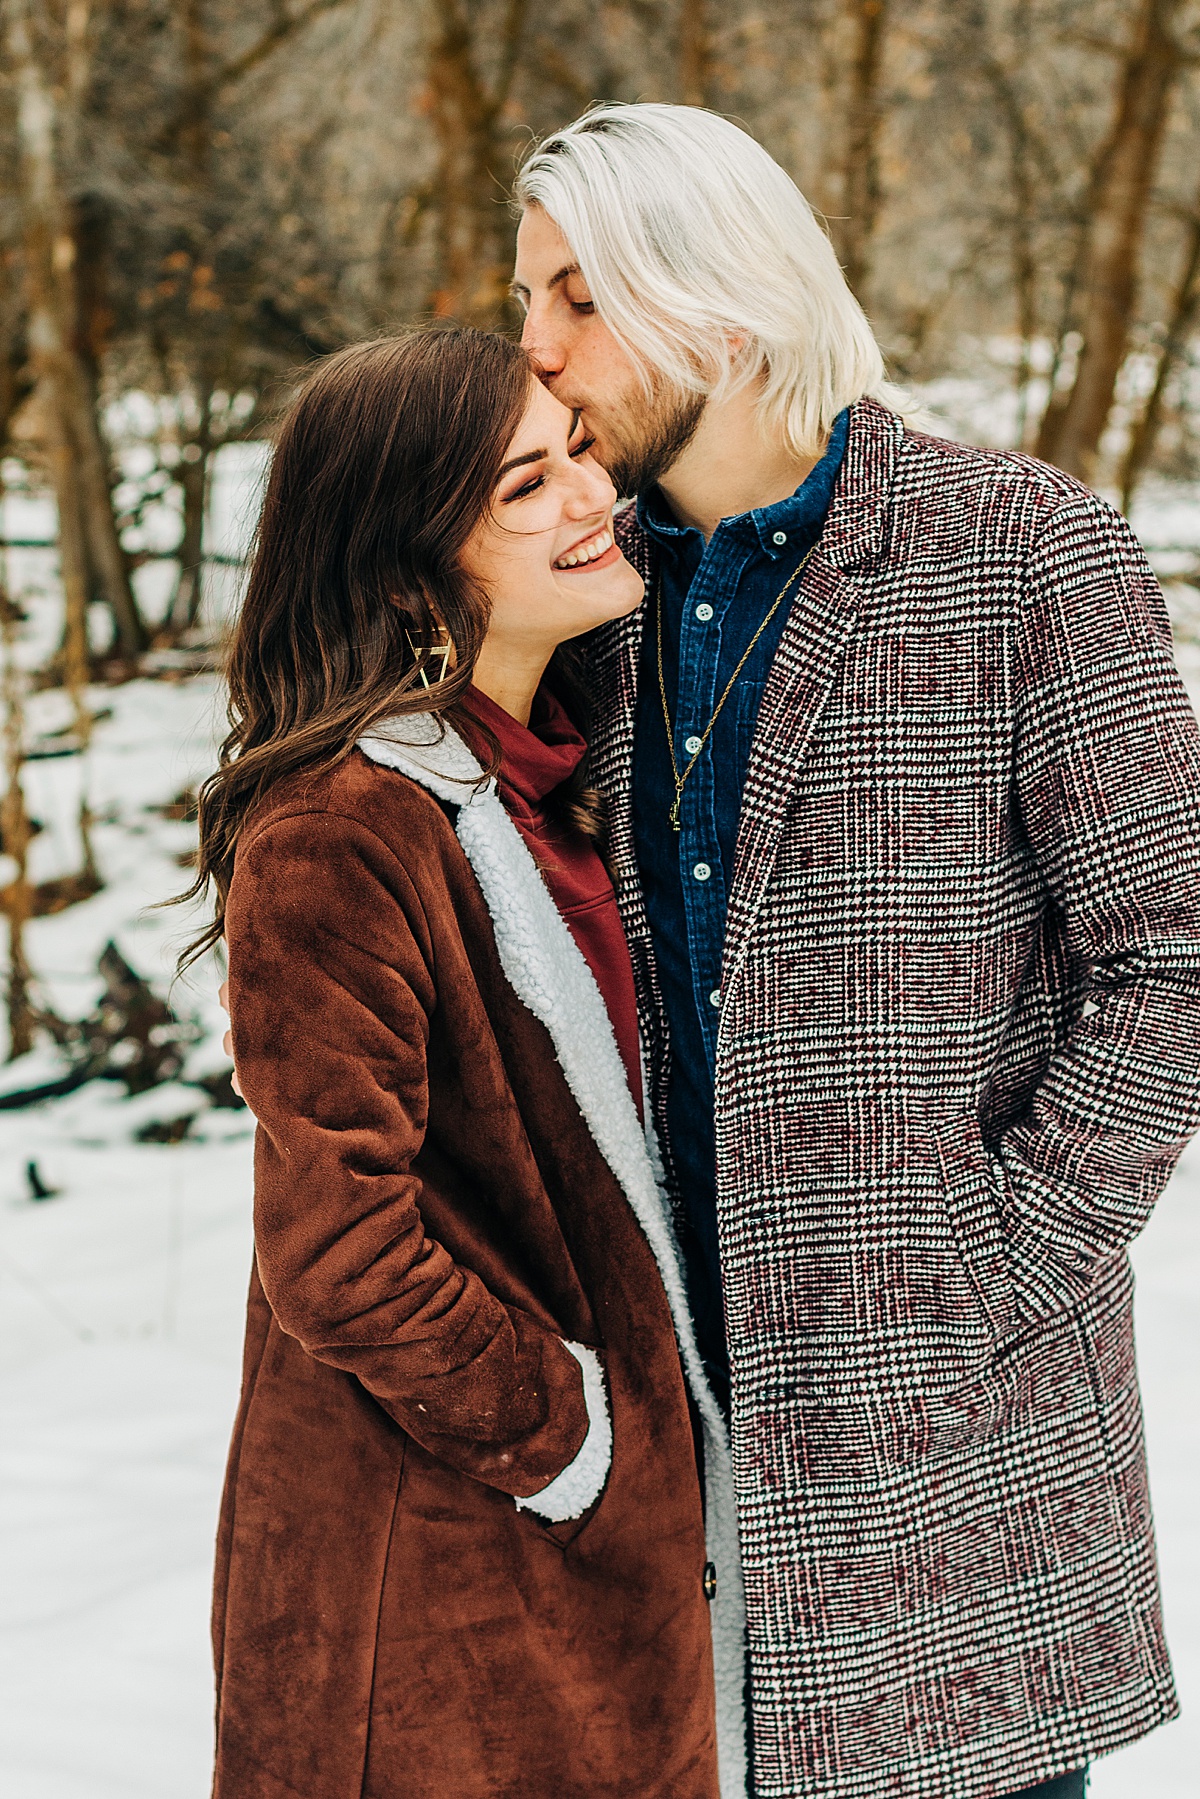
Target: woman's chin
603 593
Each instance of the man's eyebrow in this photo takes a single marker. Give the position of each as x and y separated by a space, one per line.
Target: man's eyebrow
519 461
564 274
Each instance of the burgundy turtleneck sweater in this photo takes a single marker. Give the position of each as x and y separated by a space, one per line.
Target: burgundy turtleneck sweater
534 760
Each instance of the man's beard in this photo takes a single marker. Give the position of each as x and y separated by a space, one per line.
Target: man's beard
644 444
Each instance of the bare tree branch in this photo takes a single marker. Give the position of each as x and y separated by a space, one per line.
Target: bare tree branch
285 25
1118 202
1184 306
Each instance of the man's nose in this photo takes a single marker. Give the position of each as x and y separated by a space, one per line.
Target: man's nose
538 338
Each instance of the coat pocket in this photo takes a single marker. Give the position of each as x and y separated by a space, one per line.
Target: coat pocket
564 1534
970 1189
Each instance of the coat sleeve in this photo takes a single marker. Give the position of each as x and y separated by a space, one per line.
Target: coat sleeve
331 992
1108 789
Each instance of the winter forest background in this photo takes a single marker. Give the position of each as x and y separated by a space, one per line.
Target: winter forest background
198 197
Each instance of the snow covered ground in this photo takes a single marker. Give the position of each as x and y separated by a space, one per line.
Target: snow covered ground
120 1317
121 1303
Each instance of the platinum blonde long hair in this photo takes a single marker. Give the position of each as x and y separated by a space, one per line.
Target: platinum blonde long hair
707 264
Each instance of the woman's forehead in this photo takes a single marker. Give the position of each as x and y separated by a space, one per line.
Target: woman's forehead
545 419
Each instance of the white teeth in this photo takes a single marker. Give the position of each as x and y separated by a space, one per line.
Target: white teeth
587 552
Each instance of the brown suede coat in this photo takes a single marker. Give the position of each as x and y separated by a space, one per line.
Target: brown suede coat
432 1218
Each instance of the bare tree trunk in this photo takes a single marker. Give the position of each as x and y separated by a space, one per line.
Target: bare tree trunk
474 228
695 52
15 384
77 661
192 478
78 454
72 555
1073 423
189 136
193 481
1024 154
1185 304
198 93
14 822
862 190
1025 286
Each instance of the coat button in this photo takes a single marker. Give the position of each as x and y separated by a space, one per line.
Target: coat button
704 612
692 744
702 871
710 1581
779 537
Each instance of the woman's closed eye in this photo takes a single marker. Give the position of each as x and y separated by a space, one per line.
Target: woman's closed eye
531 486
523 492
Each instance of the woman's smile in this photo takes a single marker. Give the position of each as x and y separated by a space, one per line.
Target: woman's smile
597 551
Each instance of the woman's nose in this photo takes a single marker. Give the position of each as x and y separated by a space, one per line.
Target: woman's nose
592 491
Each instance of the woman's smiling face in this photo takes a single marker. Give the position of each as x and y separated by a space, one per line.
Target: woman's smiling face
546 556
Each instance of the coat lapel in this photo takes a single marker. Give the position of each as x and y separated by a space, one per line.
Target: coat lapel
614 654
820 624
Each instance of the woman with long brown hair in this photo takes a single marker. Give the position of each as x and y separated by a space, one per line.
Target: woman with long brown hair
463 1546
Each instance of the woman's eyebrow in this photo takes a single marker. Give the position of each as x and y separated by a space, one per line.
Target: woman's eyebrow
519 461
538 455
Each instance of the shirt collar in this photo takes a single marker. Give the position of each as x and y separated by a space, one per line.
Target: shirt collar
801 513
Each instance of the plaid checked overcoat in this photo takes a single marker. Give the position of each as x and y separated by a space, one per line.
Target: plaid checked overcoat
959 1054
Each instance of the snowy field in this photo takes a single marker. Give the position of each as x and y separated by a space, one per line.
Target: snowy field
120 1317
121 1307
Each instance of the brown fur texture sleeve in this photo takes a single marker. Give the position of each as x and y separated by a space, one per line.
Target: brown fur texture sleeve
332 987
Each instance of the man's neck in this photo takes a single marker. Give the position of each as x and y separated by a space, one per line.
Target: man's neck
730 466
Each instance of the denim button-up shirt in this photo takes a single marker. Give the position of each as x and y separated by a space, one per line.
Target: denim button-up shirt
714 596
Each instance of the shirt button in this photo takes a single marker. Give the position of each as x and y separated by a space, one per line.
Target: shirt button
779 537
702 871
692 744
704 612
714 998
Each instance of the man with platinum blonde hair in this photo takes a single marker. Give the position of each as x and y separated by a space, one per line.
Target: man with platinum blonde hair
708 268
905 821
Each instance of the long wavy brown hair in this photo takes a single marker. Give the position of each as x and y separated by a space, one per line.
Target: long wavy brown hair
383 467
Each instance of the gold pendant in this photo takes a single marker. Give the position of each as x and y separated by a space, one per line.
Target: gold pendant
673 814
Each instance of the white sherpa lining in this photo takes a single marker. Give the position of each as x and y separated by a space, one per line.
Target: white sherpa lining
582 1481
550 975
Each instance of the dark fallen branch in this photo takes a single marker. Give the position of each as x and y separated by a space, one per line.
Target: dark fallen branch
32 1096
132 1037
48 897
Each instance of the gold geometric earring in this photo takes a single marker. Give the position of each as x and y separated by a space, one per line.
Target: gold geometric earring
445 650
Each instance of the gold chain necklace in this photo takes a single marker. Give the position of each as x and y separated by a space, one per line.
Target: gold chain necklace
678 778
